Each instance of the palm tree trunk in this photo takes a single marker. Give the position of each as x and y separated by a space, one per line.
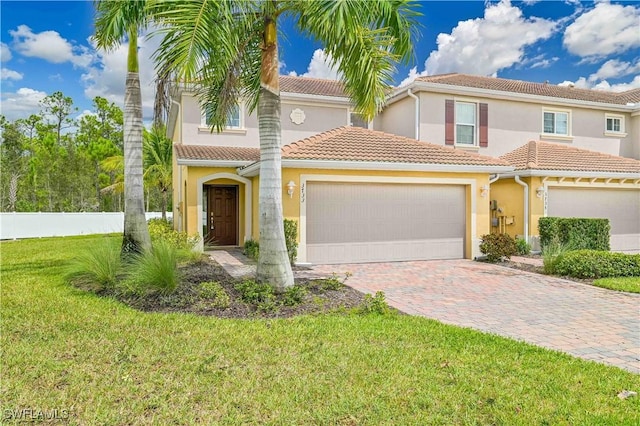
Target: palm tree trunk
273 261
165 195
136 233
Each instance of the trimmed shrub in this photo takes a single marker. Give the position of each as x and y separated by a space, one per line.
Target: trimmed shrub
255 293
598 264
498 246
523 247
291 239
577 233
293 295
213 290
252 249
162 230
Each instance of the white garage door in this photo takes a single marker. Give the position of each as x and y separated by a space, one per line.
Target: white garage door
620 206
363 222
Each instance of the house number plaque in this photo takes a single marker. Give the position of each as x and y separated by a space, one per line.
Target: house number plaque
302 193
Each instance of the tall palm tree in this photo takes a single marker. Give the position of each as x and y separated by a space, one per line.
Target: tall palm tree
157 159
115 21
230 49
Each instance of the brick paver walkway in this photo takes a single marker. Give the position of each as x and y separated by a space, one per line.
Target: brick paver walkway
582 320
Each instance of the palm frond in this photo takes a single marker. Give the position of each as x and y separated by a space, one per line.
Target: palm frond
114 20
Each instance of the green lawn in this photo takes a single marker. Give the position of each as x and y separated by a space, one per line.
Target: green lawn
628 284
108 364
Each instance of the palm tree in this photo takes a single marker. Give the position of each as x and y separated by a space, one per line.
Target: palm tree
157 156
115 21
230 49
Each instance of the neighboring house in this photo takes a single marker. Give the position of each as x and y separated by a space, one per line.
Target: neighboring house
362 195
493 116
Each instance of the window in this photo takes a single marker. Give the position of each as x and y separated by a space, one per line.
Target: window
465 123
614 124
556 123
356 120
234 119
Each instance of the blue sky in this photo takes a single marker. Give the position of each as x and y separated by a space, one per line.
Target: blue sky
46 47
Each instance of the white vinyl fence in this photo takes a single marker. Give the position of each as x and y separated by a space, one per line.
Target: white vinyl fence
35 225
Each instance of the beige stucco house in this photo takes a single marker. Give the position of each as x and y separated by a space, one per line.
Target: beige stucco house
417 182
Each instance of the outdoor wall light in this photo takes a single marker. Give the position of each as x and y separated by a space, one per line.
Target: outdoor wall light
540 191
290 187
484 190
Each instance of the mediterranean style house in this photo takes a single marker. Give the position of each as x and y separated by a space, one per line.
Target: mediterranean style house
449 159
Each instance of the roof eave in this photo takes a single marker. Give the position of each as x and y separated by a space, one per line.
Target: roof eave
212 163
570 174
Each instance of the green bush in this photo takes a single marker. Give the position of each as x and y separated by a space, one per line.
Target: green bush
156 269
497 246
254 292
375 304
551 254
291 239
213 290
578 233
98 268
162 230
598 264
252 249
523 247
293 295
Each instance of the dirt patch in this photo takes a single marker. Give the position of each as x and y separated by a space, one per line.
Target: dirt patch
317 297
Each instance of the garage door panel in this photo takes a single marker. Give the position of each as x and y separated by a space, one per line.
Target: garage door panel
360 222
620 206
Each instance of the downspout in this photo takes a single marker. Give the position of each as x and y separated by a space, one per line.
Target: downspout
417 108
526 207
493 179
180 206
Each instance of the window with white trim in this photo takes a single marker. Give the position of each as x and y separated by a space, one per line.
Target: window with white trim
614 123
466 123
234 119
357 120
556 123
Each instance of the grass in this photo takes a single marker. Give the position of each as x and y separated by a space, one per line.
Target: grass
628 284
105 363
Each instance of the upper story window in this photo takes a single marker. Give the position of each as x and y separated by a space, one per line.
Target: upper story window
614 124
466 123
357 120
234 119
556 123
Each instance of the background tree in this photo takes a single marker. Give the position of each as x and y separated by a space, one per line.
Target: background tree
115 21
158 149
230 49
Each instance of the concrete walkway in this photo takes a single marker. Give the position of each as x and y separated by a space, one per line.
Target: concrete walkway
582 320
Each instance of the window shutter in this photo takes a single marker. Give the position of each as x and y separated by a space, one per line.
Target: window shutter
449 110
484 125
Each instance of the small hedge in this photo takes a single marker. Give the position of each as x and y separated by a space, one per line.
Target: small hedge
497 246
577 233
597 264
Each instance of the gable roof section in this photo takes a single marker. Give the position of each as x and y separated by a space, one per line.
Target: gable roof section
530 88
312 86
358 144
207 155
546 156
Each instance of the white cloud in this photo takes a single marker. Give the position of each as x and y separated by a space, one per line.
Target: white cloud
22 103
584 83
50 46
413 74
5 52
615 68
7 74
487 45
106 76
604 30
320 67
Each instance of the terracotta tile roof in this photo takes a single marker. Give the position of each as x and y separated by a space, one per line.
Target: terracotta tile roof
225 153
537 155
311 86
530 88
358 144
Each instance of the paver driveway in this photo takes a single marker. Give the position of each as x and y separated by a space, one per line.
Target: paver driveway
582 320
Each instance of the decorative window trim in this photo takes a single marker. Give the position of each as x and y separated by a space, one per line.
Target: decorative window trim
555 135
241 129
480 125
614 133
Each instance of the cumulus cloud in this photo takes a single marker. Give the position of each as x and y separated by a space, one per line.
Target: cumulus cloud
320 67
21 104
5 52
487 45
106 75
604 30
50 46
615 68
413 74
584 83
7 74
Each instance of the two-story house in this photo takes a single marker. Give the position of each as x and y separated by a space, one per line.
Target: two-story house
416 183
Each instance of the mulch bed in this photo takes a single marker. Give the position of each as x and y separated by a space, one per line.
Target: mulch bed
540 270
186 298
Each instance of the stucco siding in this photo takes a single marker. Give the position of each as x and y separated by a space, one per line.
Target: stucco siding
399 118
317 119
